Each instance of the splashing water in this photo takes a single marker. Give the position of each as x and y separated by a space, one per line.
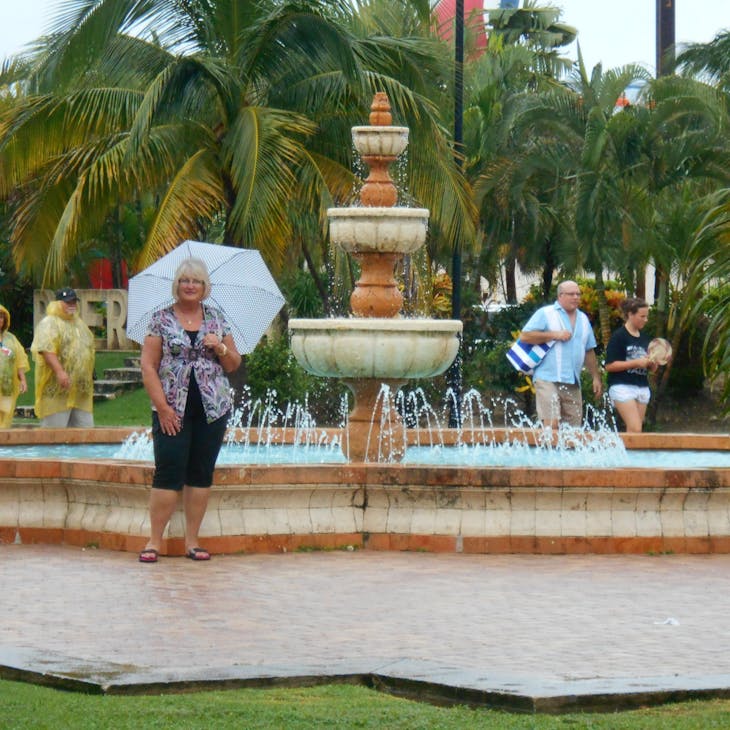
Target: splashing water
413 431
261 432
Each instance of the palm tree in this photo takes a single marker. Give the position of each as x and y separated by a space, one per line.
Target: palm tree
708 287
578 122
517 203
683 154
230 113
710 61
540 30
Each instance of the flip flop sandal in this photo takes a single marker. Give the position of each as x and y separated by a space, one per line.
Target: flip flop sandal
148 555
197 554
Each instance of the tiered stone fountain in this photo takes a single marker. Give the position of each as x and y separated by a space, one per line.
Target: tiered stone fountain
376 346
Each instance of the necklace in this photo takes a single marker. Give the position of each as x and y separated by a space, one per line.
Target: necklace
185 317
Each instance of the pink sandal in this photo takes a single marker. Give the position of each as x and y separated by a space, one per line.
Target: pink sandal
148 555
197 553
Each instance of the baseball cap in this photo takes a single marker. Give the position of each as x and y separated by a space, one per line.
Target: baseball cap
66 295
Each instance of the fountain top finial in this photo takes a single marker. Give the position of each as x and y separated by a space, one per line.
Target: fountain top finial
380 115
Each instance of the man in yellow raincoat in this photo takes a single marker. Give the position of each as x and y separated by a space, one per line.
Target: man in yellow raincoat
13 367
63 350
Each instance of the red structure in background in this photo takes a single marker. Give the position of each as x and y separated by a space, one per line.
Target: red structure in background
100 274
474 21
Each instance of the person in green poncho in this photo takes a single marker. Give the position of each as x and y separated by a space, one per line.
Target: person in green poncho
63 351
13 367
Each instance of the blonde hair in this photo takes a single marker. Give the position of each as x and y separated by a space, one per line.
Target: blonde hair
194 268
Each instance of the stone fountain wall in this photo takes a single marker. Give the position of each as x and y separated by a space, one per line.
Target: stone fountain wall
379 507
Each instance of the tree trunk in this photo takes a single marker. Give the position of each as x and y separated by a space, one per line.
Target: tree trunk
510 279
547 271
661 295
661 382
641 282
604 315
321 287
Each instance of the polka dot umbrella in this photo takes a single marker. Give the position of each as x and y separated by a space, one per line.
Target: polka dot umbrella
241 287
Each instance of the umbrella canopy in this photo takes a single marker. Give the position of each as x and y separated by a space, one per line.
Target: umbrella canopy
241 287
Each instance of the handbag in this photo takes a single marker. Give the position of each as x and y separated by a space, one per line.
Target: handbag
526 358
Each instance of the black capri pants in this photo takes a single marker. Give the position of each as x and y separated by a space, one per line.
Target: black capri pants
188 457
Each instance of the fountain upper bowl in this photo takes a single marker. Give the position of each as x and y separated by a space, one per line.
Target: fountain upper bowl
388 349
380 141
378 229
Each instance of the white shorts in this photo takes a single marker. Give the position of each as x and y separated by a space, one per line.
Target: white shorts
624 393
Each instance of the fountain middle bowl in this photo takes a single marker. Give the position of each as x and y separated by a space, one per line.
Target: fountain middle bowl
374 347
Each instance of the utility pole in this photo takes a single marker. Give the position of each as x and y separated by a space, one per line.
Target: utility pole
454 373
665 37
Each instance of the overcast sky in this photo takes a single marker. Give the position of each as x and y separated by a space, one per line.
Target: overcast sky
615 32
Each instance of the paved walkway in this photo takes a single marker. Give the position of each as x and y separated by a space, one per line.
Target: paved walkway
537 632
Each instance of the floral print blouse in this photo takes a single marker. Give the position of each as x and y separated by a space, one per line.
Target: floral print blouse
180 358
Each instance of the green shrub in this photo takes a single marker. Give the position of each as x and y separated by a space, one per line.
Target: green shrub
273 374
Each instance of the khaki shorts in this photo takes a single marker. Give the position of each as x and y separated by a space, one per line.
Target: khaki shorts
559 402
73 418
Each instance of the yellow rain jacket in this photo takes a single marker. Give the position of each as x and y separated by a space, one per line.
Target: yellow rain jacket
13 359
72 342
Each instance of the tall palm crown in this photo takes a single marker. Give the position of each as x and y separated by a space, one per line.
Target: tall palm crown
232 115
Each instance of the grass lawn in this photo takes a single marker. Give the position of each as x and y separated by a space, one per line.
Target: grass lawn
329 706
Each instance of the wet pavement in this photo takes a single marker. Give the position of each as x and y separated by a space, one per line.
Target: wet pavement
523 631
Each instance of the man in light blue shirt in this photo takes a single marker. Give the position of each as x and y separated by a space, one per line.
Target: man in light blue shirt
557 377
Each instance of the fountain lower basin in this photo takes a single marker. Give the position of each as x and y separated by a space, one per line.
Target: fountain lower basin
378 348
280 508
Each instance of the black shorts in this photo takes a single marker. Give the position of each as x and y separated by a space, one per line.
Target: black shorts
188 457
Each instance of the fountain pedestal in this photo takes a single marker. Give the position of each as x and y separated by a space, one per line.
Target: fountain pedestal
376 293
371 422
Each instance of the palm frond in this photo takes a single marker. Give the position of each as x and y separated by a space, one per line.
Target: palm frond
195 194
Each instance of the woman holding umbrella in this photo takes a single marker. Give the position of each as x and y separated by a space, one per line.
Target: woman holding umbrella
187 351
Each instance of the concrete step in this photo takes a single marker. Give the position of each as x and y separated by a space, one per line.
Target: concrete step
115 382
103 389
124 374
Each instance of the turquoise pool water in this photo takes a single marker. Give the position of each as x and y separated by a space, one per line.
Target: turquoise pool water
471 456
230 454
